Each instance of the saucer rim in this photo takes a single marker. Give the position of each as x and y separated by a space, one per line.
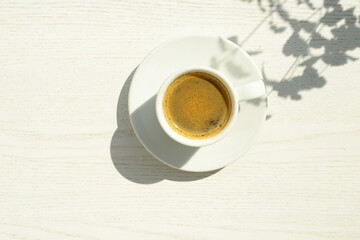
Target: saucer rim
248 145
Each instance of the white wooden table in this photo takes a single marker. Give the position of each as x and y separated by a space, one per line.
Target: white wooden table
72 168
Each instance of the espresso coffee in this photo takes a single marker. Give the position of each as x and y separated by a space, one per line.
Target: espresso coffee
197 105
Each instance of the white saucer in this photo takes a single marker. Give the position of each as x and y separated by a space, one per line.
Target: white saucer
198 50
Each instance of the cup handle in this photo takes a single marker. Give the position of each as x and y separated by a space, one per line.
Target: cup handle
251 90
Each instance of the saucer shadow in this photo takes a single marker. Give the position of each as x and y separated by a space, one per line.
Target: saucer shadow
132 160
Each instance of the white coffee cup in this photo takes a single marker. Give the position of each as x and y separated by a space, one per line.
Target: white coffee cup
244 92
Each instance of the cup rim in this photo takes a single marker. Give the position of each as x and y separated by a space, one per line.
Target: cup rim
182 139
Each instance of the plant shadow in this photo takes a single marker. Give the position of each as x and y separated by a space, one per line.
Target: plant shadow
313 50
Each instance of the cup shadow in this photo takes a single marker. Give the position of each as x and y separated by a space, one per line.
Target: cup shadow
132 160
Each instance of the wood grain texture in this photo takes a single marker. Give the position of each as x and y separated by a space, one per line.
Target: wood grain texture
72 168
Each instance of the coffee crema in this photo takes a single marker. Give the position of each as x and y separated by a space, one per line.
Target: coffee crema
197 105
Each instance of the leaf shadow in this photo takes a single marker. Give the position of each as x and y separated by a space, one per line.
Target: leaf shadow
342 24
307 37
